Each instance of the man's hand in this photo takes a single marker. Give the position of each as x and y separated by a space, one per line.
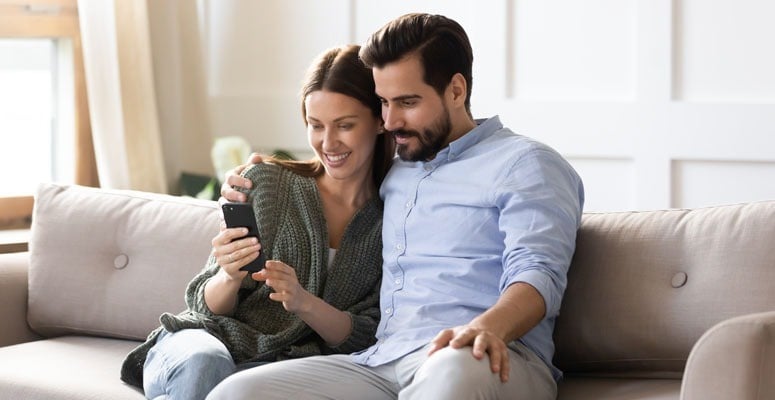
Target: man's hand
482 342
519 309
233 179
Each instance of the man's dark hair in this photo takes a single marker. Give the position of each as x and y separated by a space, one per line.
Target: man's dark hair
441 44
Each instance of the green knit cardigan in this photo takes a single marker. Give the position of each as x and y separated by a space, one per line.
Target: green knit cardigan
290 219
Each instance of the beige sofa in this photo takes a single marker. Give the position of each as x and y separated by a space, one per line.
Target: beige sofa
660 304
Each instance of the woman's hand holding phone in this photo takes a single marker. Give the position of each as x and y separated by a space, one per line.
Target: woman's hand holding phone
233 250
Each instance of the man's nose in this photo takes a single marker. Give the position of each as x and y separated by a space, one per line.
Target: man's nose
393 119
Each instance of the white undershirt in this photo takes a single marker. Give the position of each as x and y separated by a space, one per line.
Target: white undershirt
331 254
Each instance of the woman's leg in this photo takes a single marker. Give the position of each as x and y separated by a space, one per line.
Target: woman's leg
185 365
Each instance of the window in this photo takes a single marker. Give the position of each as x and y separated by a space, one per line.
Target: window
44 123
35 113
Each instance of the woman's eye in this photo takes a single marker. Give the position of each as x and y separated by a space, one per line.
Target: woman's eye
346 127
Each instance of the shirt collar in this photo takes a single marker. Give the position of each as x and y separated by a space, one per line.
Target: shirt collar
485 128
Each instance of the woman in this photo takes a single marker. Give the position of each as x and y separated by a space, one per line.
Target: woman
320 223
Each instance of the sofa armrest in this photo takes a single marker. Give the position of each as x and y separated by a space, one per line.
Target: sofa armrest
733 360
13 299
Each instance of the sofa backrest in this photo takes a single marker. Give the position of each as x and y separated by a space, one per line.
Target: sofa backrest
644 286
109 262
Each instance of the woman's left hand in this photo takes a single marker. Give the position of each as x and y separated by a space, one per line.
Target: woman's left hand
282 278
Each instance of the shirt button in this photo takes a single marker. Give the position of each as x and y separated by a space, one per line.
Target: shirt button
399 246
388 310
428 167
408 204
397 281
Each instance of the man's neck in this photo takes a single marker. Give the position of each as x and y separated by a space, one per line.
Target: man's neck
460 126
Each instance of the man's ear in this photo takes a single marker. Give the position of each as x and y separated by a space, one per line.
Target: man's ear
458 90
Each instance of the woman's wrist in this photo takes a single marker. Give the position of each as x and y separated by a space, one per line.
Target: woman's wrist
308 304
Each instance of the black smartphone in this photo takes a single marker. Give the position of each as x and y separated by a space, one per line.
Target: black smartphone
240 215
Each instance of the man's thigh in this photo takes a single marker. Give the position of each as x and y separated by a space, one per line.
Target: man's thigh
456 374
321 377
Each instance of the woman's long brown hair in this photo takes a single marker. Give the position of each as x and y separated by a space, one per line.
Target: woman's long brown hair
339 70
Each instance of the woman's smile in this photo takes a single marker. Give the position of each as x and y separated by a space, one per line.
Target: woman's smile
336 159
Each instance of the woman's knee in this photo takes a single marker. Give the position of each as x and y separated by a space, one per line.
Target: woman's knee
190 353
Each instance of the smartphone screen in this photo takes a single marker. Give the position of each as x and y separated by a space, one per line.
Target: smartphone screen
240 215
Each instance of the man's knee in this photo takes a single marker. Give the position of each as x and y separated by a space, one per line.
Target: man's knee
456 365
457 374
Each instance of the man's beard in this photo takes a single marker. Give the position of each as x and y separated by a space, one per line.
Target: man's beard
432 139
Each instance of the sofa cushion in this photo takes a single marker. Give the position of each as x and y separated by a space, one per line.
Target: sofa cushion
589 388
109 262
70 367
644 286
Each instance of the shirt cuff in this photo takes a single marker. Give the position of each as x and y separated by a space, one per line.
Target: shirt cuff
542 282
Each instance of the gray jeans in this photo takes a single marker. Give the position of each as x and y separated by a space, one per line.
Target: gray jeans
448 374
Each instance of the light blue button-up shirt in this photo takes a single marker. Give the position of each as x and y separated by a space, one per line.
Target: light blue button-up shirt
491 209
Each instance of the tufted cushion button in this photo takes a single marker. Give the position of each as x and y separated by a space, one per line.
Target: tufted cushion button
121 261
679 279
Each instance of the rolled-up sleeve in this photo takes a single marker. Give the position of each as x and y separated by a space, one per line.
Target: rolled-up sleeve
540 200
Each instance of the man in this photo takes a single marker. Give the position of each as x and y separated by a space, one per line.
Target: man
479 229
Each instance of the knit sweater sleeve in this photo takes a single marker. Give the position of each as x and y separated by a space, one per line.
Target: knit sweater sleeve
365 318
260 197
195 292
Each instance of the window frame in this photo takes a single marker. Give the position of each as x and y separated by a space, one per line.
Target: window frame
51 19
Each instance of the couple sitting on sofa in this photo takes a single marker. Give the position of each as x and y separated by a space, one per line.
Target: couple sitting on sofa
452 295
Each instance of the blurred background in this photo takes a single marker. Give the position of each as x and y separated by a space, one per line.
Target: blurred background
657 103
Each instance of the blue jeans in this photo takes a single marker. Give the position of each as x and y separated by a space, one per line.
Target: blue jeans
185 365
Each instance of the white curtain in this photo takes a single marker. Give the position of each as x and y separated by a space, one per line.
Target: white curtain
178 63
122 98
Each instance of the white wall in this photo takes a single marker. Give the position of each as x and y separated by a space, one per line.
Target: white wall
657 103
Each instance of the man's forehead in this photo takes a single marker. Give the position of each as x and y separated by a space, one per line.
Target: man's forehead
399 79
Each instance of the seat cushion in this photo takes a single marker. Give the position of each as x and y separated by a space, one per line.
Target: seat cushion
109 262
68 367
587 388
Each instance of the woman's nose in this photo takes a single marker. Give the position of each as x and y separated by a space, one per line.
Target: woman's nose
329 137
